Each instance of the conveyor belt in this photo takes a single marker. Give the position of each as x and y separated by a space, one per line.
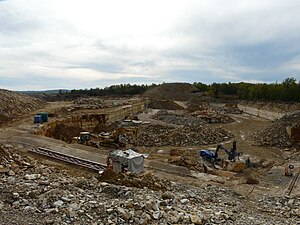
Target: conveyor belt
293 183
69 158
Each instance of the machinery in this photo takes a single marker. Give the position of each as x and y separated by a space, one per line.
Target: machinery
110 140
83 137
288 171
214 156
113 140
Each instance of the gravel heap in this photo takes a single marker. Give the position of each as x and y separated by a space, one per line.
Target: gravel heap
230 108
164 104
33 193
213 117
208 113
14 105
276 134
171 91
185 120
159 135
196 104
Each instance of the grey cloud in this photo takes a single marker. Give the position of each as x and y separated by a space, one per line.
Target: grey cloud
208 41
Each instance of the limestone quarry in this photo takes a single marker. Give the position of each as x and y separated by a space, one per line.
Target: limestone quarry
204 161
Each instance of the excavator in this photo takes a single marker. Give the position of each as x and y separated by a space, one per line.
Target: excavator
113 140
86 138
214 156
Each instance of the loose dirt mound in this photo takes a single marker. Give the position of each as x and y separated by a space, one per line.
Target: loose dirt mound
194 105
276 134
14 105
171 91
164 104
63 132
158 135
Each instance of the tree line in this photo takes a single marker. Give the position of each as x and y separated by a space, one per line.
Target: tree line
120 89
287 90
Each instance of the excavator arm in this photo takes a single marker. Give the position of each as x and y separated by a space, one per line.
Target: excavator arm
218 149
231 154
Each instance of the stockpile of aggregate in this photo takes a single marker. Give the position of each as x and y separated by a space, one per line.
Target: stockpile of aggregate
276 134
164 104
14 105
185 120
171 91
159 135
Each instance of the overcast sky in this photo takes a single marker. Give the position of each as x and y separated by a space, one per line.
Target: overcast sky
54 44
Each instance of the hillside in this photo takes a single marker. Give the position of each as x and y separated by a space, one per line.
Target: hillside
171 91
14 105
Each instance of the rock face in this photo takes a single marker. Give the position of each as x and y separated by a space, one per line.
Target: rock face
273 106
13 105
57 197
276 134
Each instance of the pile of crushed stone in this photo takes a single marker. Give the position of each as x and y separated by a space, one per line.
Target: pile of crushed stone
185 120
276 134
14 105
171 91
164 104
159 135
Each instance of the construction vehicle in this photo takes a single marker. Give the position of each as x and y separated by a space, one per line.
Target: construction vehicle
131 117
214 156
113 140
288 170
83 137
110 140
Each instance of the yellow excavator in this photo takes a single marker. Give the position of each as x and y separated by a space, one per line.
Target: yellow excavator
113 140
